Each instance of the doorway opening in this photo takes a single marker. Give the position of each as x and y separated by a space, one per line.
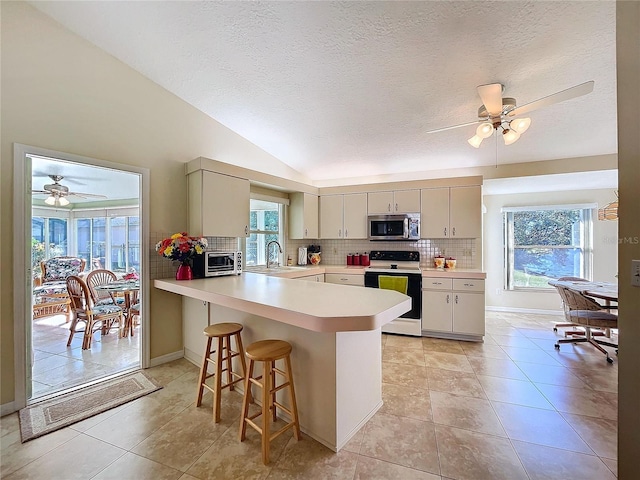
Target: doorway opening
89 214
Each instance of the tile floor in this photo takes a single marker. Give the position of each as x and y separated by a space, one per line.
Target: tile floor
57 367
510 408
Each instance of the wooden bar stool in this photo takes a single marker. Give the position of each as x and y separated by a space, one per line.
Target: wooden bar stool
223 333
267 352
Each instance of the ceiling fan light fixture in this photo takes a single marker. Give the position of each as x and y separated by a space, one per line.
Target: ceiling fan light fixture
475 141
484 130
50 200
520 125
63 202
510 136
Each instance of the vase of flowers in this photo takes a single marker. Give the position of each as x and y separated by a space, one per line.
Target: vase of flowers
181 247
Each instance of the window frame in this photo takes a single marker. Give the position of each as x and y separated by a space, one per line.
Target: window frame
261 239
585 243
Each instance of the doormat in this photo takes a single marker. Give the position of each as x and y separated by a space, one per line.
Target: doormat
56 413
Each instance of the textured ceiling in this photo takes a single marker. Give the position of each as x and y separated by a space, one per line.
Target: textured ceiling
343 89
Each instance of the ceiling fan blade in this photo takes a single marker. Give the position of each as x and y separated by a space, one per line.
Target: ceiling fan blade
491 96
86 195
39 191
454 126
561 96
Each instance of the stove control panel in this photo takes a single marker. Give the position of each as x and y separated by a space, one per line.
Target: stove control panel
395 255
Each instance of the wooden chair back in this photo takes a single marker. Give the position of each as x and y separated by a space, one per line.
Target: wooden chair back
79 293
99 277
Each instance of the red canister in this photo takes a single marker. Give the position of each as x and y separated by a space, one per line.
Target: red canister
350 259
356 259
364 259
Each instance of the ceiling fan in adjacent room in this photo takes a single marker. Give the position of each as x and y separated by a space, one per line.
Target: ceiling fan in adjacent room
57 192
498 113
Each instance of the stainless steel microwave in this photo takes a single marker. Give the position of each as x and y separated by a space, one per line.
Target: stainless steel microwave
215 264
394 227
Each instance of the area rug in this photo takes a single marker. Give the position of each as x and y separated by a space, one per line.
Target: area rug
56 413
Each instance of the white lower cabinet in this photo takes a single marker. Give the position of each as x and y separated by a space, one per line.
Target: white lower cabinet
319 277
453 306
344 279
195 318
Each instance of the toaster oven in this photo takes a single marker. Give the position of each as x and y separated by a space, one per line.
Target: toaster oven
217 263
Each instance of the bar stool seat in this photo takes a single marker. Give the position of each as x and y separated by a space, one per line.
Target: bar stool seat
223 333
267 352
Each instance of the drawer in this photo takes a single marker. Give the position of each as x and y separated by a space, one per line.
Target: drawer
437 283
468 285
342 279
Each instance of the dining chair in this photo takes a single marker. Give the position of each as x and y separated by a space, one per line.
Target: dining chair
99 277
555 327
95 317
587 313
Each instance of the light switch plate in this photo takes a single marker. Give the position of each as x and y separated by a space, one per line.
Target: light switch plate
635 273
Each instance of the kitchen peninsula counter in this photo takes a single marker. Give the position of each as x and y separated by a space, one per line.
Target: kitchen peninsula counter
334 331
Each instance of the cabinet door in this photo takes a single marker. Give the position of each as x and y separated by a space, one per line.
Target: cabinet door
222 208
465 212
355 215
331 216
468 313
380 203
195 315
434 213
313 278
437 310
406 201
303 216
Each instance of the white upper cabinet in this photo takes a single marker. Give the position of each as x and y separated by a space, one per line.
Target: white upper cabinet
218 205
343 216
398 201
303 216
355 215
451 212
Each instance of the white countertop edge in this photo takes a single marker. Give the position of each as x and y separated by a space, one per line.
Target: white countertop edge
327 324
359 270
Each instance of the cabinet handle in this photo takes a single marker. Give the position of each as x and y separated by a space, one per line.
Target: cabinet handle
453 232
445 231
468 284
246 230
388 207
344 279
447 298
339 233
456 299
346 233
436 283
306 232
396 207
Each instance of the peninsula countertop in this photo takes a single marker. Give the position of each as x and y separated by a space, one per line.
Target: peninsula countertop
319 307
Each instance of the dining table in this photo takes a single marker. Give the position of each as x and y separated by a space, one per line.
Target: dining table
128 289
606 291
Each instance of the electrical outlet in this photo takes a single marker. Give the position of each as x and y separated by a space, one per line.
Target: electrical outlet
635 273
335 251
466 252
443 251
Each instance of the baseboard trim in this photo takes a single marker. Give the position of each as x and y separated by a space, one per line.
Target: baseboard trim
169 357
524 310
7 408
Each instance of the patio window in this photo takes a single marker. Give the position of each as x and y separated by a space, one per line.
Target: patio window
109 242
48 239
546 242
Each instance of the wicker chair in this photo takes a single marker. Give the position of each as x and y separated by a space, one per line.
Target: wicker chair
50 293
95 317
587 313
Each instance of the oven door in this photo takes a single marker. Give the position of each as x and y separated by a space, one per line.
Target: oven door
414 289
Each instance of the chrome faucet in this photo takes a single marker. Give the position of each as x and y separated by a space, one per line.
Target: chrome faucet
267 252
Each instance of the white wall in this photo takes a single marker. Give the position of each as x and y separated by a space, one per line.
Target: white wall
605 246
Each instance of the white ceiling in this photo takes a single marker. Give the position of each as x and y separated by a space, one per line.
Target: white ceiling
113 184
344 89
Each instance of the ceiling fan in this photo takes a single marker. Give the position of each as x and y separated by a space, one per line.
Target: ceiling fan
58 192
498 113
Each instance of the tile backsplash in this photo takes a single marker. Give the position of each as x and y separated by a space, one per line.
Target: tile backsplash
334 252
